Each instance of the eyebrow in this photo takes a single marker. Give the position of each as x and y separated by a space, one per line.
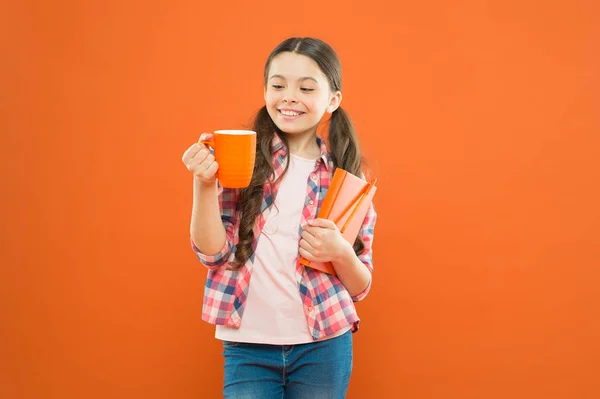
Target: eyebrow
300 79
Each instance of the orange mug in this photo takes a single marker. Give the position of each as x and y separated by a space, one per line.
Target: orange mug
235 152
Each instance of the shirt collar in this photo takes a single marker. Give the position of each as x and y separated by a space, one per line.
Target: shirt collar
278 146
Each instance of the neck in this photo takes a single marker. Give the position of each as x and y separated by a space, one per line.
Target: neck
303 144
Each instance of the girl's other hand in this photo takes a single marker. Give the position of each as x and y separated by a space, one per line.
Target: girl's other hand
322 242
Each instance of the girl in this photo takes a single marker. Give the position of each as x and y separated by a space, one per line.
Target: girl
286 329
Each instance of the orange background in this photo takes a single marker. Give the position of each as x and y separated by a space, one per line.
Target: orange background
480 119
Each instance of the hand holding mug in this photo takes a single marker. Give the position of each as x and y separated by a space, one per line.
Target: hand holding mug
198 159
233 159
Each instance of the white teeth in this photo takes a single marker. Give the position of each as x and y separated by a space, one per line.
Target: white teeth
290 113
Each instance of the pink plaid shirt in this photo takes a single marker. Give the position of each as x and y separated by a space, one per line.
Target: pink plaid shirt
328 306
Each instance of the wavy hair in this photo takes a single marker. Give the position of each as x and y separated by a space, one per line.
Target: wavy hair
342 138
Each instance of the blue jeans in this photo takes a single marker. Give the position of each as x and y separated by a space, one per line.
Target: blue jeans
316 370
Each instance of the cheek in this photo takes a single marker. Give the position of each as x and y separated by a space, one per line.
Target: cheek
317 106
320 103
272 99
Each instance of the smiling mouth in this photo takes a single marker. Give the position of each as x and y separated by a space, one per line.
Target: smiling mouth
289 113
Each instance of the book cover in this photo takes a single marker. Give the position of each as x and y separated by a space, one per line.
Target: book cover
346 203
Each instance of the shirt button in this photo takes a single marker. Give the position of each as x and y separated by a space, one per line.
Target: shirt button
313 176
310 309
311 202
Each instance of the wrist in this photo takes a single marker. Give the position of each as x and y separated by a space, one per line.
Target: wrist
346 254
202 184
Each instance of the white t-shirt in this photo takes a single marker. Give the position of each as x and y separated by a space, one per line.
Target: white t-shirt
273 312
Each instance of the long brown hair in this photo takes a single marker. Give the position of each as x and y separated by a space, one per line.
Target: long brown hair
342 138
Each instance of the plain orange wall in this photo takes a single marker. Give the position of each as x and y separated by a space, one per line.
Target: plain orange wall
480 119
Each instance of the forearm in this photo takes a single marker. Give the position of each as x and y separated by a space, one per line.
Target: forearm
352 272
206 227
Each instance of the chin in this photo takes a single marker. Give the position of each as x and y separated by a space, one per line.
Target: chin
295 127
290 129
286 128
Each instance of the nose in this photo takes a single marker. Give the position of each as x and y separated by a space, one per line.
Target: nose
289 96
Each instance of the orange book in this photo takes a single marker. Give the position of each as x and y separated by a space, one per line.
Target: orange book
346 203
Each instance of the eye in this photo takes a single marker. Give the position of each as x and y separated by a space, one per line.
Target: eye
307 89
277 87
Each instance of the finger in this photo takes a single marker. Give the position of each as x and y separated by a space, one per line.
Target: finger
205 136
212 169
309 237
323 223
314 251
317 232
202 167
202 156
306 246
198 164
190 152
307 255
313 230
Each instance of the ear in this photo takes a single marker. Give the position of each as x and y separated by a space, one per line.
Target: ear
265 93
334 103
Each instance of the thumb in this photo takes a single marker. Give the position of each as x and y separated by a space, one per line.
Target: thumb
205 136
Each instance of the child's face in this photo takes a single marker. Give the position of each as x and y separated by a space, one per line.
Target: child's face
297 93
